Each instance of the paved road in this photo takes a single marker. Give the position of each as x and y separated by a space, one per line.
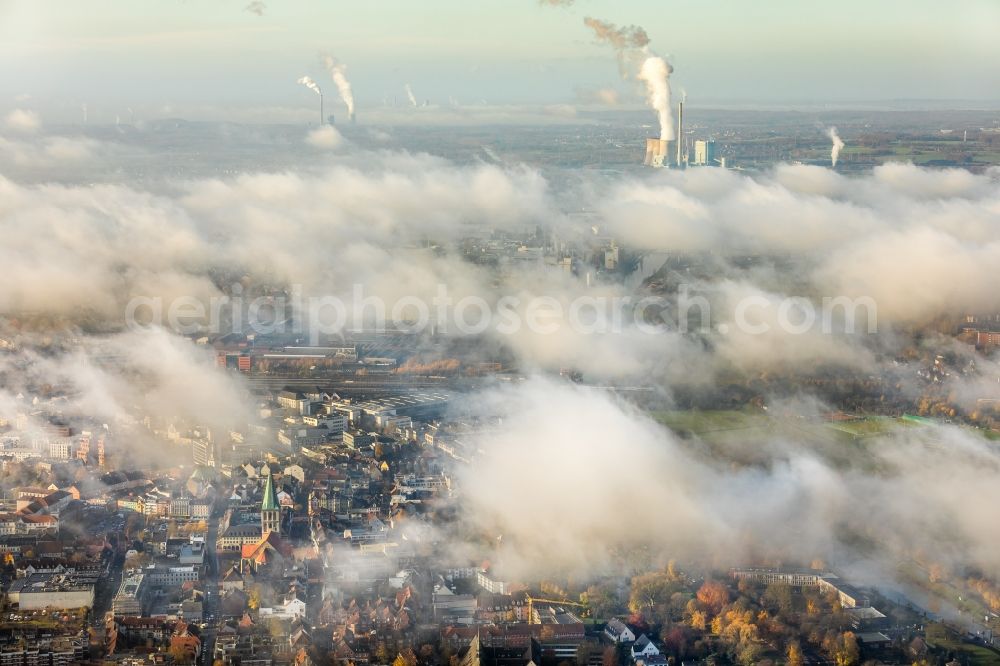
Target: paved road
211 605
350 383
103 596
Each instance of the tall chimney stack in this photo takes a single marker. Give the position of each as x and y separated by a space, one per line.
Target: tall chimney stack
680 132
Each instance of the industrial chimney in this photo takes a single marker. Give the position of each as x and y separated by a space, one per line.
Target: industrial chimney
680 134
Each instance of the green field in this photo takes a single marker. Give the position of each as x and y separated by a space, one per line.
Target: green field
941 637
716 424
704 422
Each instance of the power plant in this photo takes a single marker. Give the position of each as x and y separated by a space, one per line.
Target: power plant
658 150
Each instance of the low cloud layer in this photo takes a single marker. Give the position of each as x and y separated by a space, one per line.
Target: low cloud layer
22 120
116 380
914 242
602 476
576 478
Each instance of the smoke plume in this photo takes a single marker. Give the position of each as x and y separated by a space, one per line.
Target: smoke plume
410 95
256 7
338 71
838 144
620 39
655 73
631 44
312 85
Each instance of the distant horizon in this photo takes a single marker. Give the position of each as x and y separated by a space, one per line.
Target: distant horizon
522 53
479 114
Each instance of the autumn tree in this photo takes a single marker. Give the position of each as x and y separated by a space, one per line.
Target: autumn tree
713 595
842 648
794 655
673 571
253 596
748 653
675 639
601 600
181 654
778 597
651 595
405 658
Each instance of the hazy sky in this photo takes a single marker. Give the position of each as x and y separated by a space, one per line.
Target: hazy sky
197 53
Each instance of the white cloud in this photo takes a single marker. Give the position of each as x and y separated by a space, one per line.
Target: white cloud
326 137
22 120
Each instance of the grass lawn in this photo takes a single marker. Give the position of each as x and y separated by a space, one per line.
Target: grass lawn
942 637
701 422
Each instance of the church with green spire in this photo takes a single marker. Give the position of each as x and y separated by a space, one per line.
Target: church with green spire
270 511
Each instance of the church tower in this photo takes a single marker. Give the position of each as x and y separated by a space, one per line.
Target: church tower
270 512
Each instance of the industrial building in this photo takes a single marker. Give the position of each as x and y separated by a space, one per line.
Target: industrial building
849 596
59 590
704 152
419 404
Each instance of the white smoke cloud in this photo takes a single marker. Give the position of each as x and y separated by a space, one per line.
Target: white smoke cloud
338 71
256 7
619 38
309 83
655 73
631 44
838 145
409 95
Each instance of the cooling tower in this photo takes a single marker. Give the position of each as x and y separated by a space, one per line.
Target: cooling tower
656 152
